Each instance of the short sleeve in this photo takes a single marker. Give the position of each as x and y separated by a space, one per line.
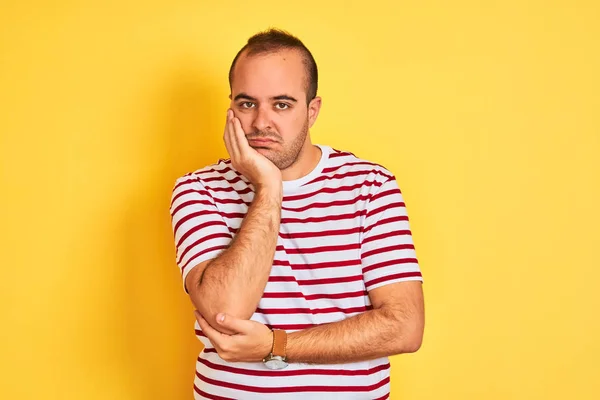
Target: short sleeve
387 249
199 229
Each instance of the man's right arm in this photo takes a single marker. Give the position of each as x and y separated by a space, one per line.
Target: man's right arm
233 283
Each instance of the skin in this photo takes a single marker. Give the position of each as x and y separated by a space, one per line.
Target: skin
269 99
267 137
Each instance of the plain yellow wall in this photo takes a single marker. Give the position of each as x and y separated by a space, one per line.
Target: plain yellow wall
487 112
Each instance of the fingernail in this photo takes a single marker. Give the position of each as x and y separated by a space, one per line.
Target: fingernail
221 317
229 113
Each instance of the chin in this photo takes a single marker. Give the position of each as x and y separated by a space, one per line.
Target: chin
263 150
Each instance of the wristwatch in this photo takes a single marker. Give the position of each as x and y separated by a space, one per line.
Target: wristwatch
277 358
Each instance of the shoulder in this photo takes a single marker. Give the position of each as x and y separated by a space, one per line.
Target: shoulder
345 163
213 174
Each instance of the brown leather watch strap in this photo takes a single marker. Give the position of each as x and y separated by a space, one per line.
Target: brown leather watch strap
279 342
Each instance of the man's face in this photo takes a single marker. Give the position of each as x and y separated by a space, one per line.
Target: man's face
268 95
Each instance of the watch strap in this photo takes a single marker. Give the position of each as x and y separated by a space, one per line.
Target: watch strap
279 343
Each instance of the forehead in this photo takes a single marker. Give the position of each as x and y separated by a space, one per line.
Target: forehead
270 74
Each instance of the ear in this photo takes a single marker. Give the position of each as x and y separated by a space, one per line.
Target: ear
313 110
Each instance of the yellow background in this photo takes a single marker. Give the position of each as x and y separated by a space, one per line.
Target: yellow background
487 112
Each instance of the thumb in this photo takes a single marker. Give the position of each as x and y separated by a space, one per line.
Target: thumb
232 323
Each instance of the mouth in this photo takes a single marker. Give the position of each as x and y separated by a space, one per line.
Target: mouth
261 142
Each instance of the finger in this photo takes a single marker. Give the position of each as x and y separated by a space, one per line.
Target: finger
227 136
211 333
233 140
239 326
240 135
227 140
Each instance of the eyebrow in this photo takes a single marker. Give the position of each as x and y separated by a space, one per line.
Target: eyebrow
245 96
285 97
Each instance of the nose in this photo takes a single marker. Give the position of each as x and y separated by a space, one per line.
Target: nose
261 120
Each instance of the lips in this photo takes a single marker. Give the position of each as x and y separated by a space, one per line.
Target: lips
261 141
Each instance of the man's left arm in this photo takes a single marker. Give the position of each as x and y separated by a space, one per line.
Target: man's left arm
395 325
393 280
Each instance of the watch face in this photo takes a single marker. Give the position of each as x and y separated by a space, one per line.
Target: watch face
276 362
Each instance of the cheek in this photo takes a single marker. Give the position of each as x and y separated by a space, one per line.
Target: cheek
295 125
246 122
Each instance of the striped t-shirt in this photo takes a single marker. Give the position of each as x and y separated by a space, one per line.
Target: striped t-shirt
344 231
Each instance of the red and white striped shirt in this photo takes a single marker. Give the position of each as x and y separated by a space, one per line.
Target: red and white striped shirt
344 231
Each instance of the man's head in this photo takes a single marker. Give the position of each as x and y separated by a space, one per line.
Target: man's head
273 81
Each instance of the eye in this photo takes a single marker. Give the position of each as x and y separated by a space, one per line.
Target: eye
282 106
247 104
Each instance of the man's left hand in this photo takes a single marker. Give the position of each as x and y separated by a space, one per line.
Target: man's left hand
252 341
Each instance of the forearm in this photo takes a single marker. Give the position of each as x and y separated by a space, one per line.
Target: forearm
234 282
373 334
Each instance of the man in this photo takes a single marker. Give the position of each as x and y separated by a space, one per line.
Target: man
298 257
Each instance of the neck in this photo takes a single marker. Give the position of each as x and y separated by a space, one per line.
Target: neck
307 161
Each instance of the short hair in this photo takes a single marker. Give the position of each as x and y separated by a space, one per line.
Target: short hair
273 40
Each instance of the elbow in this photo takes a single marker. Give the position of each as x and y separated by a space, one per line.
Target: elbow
211 317
412 338
412 344
211 306
237 312
228 306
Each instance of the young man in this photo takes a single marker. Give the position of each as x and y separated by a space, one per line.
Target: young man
298 257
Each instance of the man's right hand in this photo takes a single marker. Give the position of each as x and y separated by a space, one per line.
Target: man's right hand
253 165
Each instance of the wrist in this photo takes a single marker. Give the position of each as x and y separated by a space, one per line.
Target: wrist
270 190
277 358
